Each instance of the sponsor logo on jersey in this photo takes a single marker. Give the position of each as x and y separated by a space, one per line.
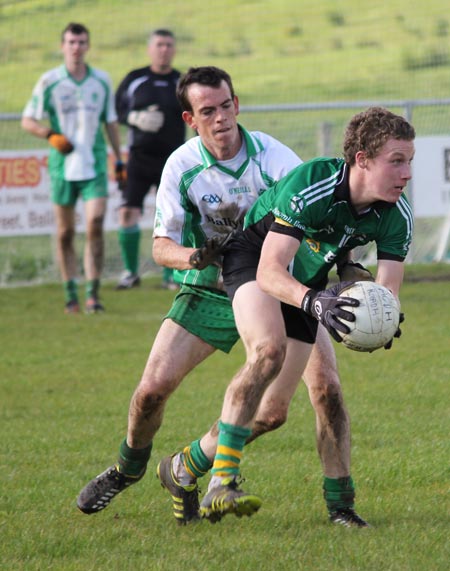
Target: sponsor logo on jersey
212 198
223 221
297 204
240 190
313 245
329 257
282 216
329 229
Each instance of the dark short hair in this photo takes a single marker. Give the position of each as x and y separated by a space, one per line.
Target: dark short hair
206 75
161 32
369 130
76 29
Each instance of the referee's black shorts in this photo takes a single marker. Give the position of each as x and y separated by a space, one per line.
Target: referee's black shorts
240 263
143 172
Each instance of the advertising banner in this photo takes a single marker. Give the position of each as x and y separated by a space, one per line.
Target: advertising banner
25 206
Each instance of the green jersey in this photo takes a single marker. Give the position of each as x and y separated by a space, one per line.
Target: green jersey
77 109
312 203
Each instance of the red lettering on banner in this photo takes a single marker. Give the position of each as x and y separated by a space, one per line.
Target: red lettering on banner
19 172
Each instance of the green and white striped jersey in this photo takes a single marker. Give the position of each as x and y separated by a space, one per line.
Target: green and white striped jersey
199 197
313 203
76 109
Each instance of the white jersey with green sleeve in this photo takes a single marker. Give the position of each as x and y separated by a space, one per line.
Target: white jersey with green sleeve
76 109
198 197
312 203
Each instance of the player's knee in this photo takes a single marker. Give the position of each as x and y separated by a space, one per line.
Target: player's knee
273 420
155 389
95 227
148 403
127 216
321 378
269 359
158 381
329 399
158 387
267 424
66 236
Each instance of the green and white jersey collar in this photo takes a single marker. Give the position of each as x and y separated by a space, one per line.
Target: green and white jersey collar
66 74
253 147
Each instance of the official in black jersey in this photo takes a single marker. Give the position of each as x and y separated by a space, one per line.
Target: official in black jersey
146 102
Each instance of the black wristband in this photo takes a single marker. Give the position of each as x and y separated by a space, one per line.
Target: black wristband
307 300
50 133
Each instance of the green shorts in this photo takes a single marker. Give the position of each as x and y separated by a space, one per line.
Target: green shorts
207 314
66 192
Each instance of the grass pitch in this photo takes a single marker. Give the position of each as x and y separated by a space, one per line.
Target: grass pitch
65 385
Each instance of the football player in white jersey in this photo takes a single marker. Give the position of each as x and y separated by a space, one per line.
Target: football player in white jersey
77 99
207 186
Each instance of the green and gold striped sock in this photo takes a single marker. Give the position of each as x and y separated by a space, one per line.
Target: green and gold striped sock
194 460
229 449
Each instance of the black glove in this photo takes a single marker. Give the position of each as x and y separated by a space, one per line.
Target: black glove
397 333
210 252
60 142
120 173
349 271
326 307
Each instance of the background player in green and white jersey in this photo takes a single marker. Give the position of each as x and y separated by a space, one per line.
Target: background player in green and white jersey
207 186
276 268
78 100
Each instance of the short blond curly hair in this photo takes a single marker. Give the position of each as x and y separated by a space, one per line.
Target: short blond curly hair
369 130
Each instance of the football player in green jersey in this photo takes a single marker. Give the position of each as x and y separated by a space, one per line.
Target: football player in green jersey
207 186
78 101
275 272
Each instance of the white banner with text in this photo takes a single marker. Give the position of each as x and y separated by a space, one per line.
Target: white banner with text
25 205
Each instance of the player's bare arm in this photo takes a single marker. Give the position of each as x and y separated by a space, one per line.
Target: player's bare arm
112 130
168 253
390 275
273 277
35 127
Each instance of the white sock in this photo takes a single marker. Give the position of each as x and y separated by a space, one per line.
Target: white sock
181 474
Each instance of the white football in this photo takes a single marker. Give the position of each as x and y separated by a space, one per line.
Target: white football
376 318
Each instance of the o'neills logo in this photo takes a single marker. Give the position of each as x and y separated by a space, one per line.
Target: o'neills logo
21 171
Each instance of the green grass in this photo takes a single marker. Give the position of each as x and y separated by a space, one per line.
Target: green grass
276 51
66 382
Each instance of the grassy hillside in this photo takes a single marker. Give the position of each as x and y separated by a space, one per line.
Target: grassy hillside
276 50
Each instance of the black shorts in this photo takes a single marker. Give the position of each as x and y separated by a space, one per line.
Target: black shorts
143 172
240 263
